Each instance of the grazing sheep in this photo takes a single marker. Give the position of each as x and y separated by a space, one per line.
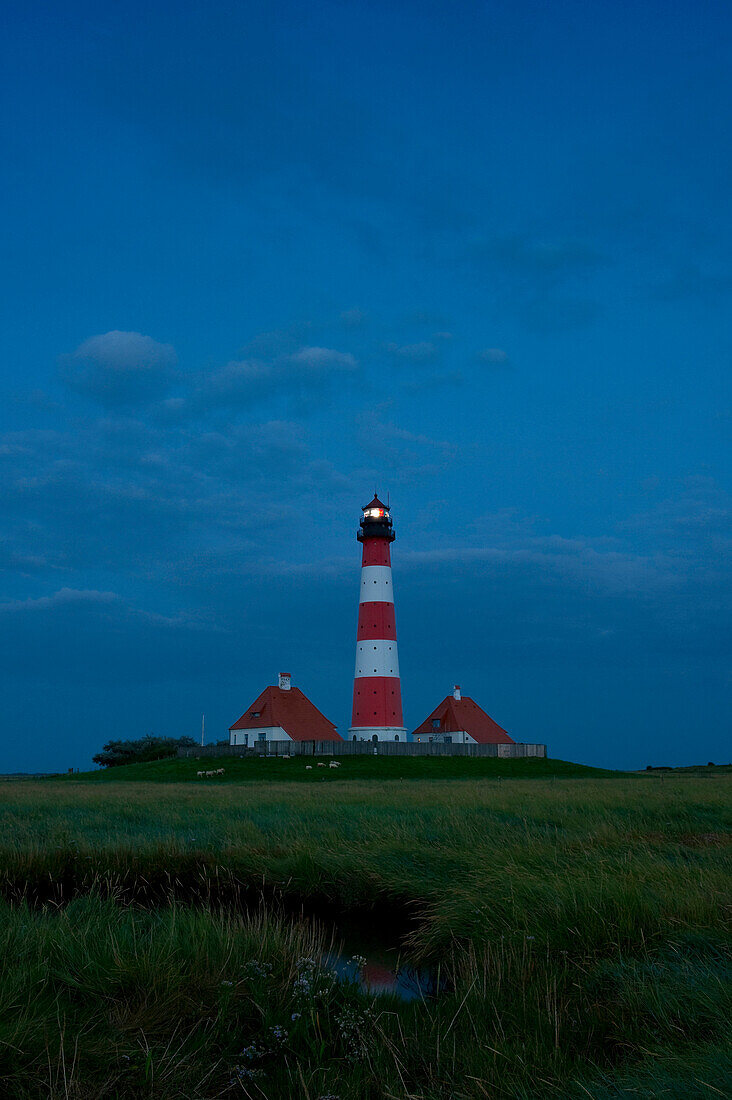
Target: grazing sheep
308 767
219 771
209 774
199 774
332 765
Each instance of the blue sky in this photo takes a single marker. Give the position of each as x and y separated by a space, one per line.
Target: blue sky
261 259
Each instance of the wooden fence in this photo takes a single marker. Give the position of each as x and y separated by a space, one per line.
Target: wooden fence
359 748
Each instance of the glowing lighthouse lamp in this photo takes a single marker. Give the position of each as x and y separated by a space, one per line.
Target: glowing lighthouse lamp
377 695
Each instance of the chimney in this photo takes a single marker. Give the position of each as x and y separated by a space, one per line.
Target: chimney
285 681
456 691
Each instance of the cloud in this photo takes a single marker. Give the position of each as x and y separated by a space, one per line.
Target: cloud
120 368
697 516
690 282
400 451
140 496
240 376
354 318
23 564
84 637
544 281
435 380
62 598
295 374
421 352
536 258
323 360
547 314
677 554
493 356
86 600
583 563
125 352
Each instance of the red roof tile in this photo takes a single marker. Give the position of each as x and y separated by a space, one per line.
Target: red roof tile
464 714
300 719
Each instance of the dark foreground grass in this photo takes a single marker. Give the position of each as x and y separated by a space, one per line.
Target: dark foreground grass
580 925
279 769
99 1000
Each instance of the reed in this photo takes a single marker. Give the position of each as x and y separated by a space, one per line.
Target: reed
580 924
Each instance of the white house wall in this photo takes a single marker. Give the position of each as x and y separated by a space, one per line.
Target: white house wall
257 736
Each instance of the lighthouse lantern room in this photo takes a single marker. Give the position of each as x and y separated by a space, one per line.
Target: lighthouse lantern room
377 697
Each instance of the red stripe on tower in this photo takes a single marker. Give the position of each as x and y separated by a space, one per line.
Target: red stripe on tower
377 694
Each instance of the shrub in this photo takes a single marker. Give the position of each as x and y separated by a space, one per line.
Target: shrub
141 751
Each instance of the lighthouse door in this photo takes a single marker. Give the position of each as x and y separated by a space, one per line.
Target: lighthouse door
375 737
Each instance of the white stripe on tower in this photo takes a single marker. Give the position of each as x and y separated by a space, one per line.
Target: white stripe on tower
376 584
377 658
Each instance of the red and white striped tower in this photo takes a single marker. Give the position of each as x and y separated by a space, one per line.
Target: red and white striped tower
377 693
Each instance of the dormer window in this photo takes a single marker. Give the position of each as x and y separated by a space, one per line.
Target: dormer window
255 714
435 723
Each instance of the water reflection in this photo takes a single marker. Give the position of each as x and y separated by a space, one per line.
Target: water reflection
376 976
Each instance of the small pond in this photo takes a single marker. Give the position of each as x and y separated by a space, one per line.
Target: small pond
367 950
377 975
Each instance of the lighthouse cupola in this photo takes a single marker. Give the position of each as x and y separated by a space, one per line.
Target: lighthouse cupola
376 522
377 696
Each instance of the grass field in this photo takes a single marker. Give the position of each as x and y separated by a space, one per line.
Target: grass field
237 768
578 920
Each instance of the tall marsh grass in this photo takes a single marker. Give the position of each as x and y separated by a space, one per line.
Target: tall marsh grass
580 924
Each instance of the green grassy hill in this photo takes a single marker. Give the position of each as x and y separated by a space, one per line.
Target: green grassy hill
352 767
701 770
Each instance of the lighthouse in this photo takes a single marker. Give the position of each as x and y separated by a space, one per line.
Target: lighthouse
377 696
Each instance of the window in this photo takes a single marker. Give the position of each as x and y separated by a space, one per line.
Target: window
435 723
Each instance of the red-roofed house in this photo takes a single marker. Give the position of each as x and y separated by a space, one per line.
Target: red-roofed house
461 721
282 713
